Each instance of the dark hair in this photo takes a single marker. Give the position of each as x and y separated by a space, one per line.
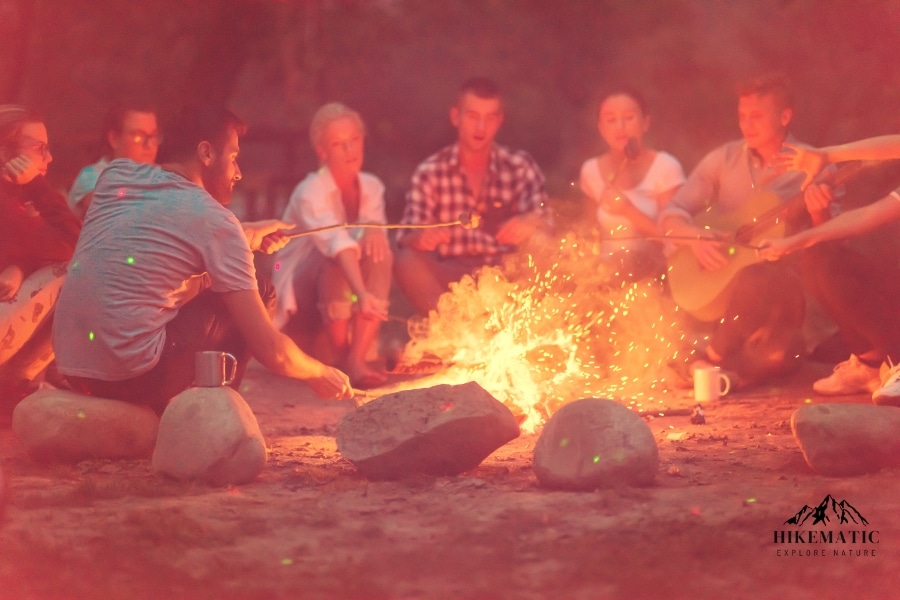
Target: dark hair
12 118
775 84
194 124
482 87
626 91
115 116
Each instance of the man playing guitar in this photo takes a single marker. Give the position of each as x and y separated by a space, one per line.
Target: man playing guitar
759 307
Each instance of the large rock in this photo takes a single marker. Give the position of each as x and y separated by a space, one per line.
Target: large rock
843 440
209 434
593 443
442 430
63 426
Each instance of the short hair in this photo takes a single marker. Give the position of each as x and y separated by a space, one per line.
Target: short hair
194 124
481 87
115 116
328 114
12 118
632 93
776 85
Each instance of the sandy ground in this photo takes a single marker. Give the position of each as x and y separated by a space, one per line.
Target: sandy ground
311 527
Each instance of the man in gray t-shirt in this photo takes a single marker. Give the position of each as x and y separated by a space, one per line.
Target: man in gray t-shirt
162 270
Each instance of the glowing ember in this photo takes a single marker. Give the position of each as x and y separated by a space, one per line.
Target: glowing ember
550 328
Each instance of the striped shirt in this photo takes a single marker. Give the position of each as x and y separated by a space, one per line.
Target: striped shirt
513 185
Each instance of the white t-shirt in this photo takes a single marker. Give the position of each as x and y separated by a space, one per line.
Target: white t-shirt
151 239
664 174
316 202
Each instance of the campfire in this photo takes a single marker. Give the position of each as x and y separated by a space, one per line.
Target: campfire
549 327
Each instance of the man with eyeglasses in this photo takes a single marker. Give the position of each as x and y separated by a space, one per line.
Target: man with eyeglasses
130 131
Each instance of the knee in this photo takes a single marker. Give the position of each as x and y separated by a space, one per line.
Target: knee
336 310
407 261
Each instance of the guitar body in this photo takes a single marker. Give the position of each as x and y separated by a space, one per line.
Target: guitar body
705 294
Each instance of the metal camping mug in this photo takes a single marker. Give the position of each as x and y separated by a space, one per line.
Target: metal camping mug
210 368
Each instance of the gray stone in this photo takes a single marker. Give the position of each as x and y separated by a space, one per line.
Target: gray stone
593 443
441 430
842 440
209 434
63 426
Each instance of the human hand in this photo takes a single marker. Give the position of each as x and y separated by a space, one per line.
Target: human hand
614 202
800 158
427 239
708 251
20 170
374 244
773 250
517 229
331 383
817 198
371 307
10 281
266 236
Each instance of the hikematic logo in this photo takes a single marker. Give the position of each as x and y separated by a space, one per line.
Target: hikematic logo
830 528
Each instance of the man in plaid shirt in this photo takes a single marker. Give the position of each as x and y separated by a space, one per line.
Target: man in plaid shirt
504 188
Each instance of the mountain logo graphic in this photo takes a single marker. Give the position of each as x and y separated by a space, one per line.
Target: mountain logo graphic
828 511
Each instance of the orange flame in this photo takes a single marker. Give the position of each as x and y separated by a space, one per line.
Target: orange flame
548 328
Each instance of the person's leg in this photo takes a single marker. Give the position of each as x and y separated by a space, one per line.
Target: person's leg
364 328
417 274
424 276
22 316
761 331
858 293
204 323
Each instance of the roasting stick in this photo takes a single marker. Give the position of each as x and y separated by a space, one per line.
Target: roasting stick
466 220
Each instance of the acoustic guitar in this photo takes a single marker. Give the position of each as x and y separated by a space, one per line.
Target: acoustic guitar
704 293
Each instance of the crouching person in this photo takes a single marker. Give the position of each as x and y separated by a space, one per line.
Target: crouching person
163 269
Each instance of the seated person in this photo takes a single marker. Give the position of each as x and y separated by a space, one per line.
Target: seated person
628 185
130 131
757 330
37 237
345 273
163 269
859 293
502 188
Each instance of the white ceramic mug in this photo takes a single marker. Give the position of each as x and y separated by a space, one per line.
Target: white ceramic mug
211 366
710 383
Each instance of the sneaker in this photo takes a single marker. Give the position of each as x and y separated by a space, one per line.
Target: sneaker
889 392
849 377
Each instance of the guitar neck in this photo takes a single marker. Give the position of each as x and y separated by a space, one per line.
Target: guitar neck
793 206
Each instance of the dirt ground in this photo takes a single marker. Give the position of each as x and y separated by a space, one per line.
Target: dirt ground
311 527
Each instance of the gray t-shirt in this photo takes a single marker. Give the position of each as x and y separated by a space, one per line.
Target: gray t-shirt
85 182
151 240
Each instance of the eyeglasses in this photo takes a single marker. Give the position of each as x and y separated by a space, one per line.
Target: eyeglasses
142 138
42 147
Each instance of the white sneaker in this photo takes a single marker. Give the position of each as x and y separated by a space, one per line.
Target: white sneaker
889 392
849 377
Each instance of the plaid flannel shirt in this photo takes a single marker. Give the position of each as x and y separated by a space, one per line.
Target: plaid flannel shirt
513 185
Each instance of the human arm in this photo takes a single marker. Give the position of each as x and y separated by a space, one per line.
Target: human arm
277 352
348 259
812 160
266 236
851 223
420 209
